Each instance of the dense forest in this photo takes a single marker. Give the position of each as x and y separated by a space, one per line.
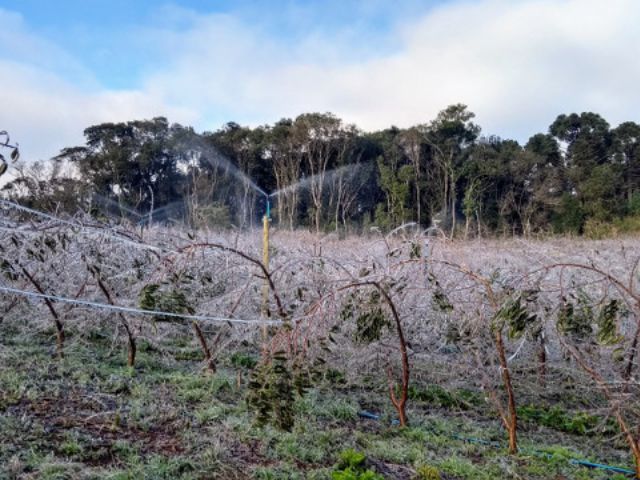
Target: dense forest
581 176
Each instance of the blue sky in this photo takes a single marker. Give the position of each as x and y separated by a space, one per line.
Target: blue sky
65 65
100 33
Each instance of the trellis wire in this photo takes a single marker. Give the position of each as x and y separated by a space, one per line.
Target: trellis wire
137 311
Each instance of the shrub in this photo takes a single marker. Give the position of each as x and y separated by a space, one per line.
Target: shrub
352 467
597 229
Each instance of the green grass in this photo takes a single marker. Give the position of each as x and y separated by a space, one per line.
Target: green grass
580 423
90 416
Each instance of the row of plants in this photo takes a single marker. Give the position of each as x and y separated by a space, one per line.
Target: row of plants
388 312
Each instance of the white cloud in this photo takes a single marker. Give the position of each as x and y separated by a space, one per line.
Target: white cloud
47 98
44 113
516 63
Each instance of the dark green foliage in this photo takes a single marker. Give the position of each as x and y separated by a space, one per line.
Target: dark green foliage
274 385
163 298
575 319
607 322
453 335
334 377
271 393
369 315
351 466
370 325
569 217
415 250
440 172
634 204
243 360
440 299
394 181
514 315
8 271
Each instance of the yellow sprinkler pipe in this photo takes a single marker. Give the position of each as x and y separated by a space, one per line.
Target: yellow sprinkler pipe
265 261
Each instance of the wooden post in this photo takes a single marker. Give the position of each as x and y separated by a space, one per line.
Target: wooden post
265 261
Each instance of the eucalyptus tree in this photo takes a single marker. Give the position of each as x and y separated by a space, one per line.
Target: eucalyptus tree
323 139
449 136
286 163
412 140
530 187
348 179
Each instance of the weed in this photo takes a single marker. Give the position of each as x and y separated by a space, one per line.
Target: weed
243 360
341 410
335 377
427 472
351 466
210 413
463 468
70 448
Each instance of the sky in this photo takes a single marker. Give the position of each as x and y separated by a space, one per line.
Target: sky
517 64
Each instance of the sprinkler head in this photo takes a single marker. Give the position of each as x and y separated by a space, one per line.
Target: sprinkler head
268 213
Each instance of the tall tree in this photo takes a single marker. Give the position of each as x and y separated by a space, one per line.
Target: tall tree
413 142
48 187
348 177
587 161
322 137
449 136
394 176
133 162
243 147
626 146
286 160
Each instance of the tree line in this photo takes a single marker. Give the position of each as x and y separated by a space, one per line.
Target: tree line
581 176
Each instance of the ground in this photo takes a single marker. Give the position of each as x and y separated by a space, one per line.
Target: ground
89 416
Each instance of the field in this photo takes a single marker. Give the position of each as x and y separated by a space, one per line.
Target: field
469 344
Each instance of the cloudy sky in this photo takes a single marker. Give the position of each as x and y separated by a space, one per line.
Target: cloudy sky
69 64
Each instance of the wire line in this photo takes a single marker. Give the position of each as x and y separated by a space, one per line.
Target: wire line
136 311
